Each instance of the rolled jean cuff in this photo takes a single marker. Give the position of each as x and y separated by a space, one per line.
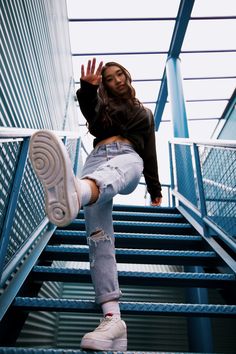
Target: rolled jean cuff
115 295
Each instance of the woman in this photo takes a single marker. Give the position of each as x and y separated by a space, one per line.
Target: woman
124 148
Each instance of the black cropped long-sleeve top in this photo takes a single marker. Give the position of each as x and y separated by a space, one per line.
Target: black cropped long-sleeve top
133 122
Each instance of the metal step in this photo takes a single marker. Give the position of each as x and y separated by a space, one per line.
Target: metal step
206 280
141 227
23 350
145 209
87 306
143 217
141 256
126 240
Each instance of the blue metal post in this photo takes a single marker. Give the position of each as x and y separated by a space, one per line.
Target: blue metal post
172 181
176 98
77 156
202 200
199 329
180 128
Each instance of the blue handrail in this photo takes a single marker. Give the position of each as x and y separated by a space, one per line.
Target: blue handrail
212 210
22 210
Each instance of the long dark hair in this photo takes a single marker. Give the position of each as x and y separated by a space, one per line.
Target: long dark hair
108 100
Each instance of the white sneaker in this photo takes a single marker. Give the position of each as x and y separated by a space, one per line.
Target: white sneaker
111 334
53 167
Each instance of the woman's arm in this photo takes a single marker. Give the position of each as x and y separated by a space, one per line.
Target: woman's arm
88 99
87 94
151 166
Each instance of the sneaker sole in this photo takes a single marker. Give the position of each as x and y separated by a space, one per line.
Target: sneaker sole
95 344
53 168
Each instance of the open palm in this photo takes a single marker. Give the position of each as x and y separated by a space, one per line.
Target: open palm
92 75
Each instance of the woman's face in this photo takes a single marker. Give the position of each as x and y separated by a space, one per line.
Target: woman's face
115 80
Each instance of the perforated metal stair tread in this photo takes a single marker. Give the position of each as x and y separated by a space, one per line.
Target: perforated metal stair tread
143 227
141 240
143 216
175 309
145 209
138 277
22 350
142 256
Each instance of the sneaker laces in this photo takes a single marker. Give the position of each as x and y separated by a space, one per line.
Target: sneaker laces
104 321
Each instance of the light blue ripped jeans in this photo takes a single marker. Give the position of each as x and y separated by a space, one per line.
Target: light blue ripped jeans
116 168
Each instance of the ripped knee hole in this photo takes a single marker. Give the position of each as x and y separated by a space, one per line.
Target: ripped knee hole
98 235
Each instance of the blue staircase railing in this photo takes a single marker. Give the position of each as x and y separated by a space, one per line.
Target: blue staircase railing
207 197
24 227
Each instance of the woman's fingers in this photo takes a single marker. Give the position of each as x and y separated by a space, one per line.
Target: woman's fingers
92 75
93 66
88 71
99 69
82 70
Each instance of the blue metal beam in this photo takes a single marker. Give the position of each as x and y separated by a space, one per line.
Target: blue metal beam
177 101
181 24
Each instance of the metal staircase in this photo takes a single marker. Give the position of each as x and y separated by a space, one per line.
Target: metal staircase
158 249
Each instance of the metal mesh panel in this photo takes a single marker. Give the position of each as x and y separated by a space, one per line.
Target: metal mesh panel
8 156
30 206
42 326
184 173
29 211
219 183
71 146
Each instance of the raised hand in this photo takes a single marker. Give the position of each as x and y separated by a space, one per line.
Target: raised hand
92 75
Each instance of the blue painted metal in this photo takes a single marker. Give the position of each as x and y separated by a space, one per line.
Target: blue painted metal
228 112
176 96
180 128
213 243
17 259
206 222
175 309
171 279
161 101
141 256
145 209
171 173
198 216
224 236
19 278
199 181
148 227
23 350
77 157
181 24
203 210
13 202
200 331
182 20
153 241
143 217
